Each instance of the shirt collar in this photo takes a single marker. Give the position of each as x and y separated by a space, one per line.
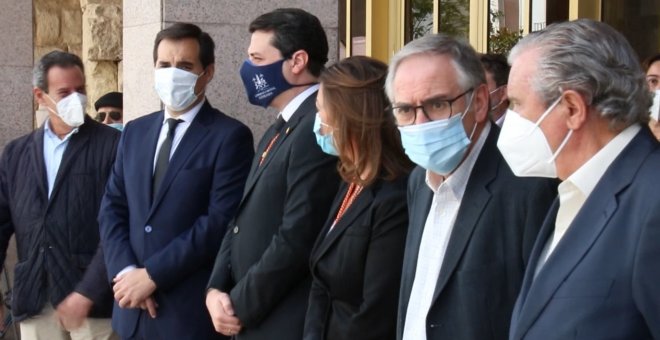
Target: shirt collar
50 133
587 176
294 104
457 181
188 116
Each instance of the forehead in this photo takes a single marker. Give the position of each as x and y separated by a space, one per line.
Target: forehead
65 77
186 49
654 69
422 75
261 44
524 67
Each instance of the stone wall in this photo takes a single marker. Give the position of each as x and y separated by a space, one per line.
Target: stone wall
91 29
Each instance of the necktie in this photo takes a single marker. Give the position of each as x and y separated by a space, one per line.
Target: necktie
163 160
277 126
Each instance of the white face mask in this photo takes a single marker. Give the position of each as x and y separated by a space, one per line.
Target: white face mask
176 87
525 148
655 108
71 109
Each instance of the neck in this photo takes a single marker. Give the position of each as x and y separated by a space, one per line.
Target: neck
582 146
59 128
284 98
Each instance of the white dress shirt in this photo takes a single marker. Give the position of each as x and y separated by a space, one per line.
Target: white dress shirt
294 104
575 190
54 148
181 128
447 199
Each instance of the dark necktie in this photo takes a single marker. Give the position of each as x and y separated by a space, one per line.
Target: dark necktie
163 160
276 129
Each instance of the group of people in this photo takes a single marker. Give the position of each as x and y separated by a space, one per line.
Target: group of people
384 201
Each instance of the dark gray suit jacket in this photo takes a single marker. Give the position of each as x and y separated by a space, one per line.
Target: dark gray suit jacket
495 228
263 260
602 281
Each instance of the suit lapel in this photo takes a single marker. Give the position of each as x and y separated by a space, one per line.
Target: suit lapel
583 231
194 135
308 106
474 200
361 203
146 155
76 143
38 163
421 205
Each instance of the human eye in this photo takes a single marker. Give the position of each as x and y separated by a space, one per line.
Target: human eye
403 110
436 106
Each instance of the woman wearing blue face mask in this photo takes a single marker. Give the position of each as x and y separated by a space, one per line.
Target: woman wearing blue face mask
357 259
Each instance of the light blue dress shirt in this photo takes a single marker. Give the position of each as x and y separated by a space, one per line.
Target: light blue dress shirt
54 148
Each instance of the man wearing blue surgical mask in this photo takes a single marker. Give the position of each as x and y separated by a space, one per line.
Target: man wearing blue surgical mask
261 280
472 222
51 184
178 179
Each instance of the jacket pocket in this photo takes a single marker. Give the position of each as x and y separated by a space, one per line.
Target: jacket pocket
28 295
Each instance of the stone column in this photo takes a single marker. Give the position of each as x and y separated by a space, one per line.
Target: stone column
16 111
227 22
101 47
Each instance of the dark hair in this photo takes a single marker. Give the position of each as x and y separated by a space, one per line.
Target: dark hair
498 66
293 30
182 30
355 102
54 58
649 61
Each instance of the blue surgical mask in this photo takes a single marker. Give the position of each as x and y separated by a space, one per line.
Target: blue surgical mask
263 83
438 146
118 126
326 142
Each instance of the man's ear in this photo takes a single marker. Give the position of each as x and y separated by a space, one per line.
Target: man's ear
480 103
39 95
577 109
209 72
299 61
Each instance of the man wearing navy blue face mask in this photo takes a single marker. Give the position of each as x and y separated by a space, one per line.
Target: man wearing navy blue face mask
472 222
177 181
261 280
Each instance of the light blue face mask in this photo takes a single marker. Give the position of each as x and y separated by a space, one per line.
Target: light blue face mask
438 146
118 126
324 141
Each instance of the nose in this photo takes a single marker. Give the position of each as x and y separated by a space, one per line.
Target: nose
107 119
420 116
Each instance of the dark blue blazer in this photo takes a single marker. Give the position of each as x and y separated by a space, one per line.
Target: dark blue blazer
602 281
176 235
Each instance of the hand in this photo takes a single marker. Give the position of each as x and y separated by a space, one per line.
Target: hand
222 313
72 311
150 306
133 288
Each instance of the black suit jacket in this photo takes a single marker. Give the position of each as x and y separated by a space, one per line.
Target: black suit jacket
176 234
602 279
263 260
488 249
356 267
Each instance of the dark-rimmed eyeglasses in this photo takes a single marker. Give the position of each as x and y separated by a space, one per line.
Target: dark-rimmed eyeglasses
435 108
114 115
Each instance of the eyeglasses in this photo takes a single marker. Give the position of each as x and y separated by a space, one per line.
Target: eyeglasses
435 108
114 115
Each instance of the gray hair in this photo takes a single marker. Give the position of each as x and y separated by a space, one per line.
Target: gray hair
595 60
54 58
463 57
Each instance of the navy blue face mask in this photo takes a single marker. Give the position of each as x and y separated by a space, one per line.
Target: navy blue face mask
263 83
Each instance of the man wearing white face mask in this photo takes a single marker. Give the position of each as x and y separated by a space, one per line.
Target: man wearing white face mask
51 184
472 222
177 181
579 112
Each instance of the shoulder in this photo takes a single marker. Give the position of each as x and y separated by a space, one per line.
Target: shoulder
221 120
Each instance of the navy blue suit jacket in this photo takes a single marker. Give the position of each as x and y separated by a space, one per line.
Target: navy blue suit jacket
176 235
602 281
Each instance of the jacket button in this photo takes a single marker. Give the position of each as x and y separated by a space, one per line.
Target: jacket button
147 229
236 229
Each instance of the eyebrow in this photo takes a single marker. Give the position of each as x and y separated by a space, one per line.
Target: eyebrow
433 97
